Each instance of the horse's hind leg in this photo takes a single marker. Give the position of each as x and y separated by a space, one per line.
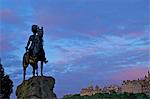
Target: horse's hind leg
33 72
41 68
24 74
37 72
36 69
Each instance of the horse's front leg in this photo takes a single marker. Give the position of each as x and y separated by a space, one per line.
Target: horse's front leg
33 70
24 74
36 65
37 71
41 68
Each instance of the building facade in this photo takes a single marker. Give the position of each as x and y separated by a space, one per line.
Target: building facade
90 90
112 88
129 86
137 86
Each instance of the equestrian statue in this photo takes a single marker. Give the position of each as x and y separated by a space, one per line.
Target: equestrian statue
34 51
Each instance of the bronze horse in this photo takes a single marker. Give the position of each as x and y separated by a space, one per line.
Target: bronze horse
33 60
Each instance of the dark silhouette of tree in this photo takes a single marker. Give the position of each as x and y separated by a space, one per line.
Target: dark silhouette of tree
6 84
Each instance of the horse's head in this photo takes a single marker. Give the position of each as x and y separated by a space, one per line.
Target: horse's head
40 32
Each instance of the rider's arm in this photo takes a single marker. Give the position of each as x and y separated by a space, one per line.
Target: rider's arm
29 41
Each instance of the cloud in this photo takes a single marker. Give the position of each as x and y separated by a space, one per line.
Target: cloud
5 43
107 45
10 17
130 73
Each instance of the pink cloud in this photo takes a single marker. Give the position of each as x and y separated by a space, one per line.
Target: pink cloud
144 49
130 74
136 33
9 16
97 32
51 20
5 42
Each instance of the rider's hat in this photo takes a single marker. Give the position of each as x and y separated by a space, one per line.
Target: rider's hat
34 28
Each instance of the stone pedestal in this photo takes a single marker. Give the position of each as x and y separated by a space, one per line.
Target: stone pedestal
38 87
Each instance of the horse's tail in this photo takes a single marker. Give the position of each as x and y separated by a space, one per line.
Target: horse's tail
25 60
25 64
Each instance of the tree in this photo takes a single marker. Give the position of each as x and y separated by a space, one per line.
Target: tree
6 84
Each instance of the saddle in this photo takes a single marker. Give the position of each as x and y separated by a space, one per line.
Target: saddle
30 59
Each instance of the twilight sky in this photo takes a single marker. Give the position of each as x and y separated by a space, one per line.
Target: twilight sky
86 41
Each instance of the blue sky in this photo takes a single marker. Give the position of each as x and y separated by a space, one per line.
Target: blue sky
86 41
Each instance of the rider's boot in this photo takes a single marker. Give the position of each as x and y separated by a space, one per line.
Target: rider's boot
45 61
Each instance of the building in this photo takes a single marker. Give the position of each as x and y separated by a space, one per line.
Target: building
90 90
146 84
137 86
112 88
129 86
